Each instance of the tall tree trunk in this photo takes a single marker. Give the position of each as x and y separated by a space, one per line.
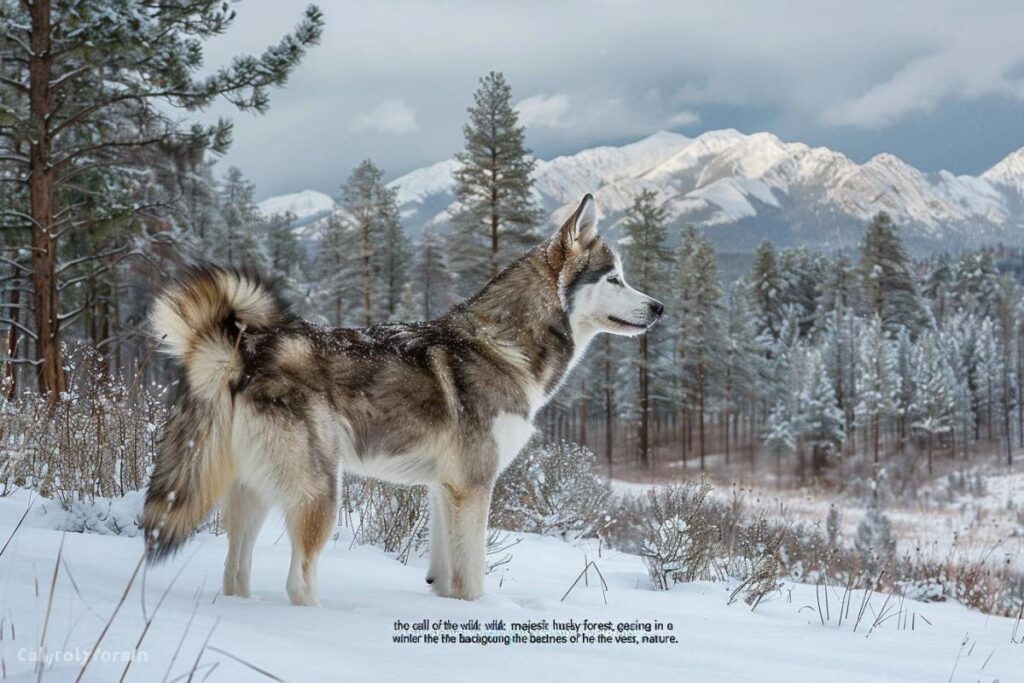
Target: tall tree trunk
931 439
494 212
700 421
10 368
725 419
50 370
609 409
583 411
367 277
645 397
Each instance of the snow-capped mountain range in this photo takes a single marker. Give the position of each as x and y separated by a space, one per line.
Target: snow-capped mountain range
743 188
307 206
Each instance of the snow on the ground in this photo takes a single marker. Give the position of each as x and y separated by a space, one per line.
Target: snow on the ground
364 592
935 522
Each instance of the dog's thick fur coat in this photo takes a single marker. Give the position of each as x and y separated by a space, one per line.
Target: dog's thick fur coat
272 406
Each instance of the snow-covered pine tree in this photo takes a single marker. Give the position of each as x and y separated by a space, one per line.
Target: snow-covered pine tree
284 253
935 402
287 260
960 337
396 259
237 238
802 273
976 282
905 387
700 342
648 261
822 421
335 268
875 384
766 285
937 288
369 208
89 89
744 368
431 275
839 346
989 382
779 439
887 285
1007 311
494 217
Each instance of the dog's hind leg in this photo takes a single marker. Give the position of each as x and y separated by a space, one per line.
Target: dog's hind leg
310 523
244 512
437 574
465 529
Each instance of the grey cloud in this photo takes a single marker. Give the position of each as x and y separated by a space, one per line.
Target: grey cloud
606 71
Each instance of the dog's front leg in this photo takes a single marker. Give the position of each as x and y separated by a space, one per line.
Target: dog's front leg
465 530
438 574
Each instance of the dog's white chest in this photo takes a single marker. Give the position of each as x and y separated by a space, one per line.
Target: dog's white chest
510 432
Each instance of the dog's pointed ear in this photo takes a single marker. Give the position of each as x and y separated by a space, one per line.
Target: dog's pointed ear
577 233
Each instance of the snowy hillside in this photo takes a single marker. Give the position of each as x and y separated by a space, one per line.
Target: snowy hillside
365 592
744 188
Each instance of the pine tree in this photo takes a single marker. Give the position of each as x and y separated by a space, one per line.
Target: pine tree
779 439
88 90
238 238
938 286
431 274
875 384
822 421
648 261
976 284
286 260
766 291
905 389
934 404
887 286
700 343
802 273
494 218
369 208
336 275
840 352
284 253
744 367
396 259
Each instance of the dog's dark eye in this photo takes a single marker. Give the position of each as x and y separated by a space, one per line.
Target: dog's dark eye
615 280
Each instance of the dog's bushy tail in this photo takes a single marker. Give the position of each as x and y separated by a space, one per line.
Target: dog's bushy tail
200 320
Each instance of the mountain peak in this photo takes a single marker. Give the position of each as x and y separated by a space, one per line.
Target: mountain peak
1009 171
303 204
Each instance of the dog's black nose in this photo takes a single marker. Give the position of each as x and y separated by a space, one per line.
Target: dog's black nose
657 308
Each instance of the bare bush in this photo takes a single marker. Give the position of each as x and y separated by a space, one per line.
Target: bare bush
390 516
97 442
554 489
678 544
756 558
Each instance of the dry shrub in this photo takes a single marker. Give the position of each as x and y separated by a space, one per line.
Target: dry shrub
553 489
756 558
678 543
96 442
390 516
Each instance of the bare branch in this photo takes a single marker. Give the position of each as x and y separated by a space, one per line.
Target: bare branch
15 323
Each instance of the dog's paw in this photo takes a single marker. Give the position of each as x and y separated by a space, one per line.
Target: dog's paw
459 591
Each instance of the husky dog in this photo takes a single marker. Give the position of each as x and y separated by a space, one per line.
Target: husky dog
273 406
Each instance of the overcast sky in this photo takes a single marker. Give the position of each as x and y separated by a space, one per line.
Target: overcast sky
939 84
